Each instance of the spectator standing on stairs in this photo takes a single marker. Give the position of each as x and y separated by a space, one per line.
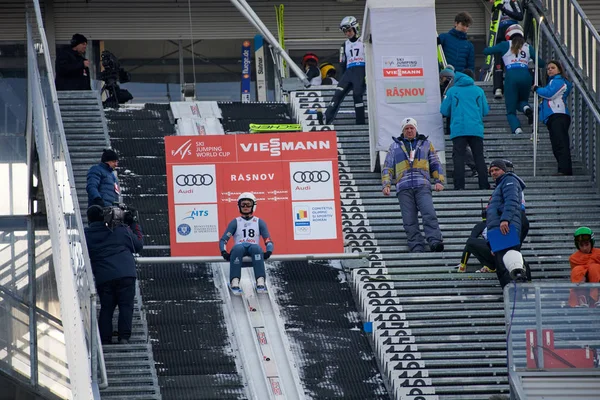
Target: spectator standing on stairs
459 51
72 68
352 63
585 266
102 183
410 162
111 255
555 114
446 82
466 105
516 54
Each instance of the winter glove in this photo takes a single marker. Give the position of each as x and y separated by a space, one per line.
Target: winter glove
99 202
534 88
439 42
267 255
226 256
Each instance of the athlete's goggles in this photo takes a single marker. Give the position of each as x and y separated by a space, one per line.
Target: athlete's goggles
246 204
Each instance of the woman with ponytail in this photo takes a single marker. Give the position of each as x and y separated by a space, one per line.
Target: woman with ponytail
555 114
516 53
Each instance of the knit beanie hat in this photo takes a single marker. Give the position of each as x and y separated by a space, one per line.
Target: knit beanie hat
447 72
408 121
109 155
498 164
95 214
78 39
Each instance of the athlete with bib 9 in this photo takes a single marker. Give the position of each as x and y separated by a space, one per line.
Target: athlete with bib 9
246 231
352 63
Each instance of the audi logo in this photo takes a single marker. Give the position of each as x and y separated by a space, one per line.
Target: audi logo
311 176
194 180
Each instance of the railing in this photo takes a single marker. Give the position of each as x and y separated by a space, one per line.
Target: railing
72 266
569 37
43 362
546 335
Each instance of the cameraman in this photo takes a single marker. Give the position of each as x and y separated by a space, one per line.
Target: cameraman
102 183
72 68
111 254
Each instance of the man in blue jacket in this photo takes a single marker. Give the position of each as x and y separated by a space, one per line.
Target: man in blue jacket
111 254
505 212
459 52
102 183
466 104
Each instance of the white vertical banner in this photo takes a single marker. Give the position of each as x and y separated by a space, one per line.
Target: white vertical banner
403 72
259 58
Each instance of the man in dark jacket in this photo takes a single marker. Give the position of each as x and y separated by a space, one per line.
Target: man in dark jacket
102 183
72 68
111 254
505 212
459 52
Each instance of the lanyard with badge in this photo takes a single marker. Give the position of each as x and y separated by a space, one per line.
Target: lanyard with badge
411 154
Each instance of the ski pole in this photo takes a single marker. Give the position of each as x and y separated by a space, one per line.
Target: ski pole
535 95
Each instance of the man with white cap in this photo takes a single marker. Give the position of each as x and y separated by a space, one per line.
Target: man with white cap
410 163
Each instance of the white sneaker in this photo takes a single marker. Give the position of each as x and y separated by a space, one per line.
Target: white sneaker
498 93
582 302
518 131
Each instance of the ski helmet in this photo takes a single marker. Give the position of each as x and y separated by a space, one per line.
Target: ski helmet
583 234
350 22
326 68
246 196
514 29
408 121
310 56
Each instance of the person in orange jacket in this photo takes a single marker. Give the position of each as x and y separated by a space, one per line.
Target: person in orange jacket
585 267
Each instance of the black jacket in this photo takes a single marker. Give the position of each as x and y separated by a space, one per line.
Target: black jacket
111 251
70 72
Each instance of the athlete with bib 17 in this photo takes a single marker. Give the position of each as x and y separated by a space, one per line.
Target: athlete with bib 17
352 63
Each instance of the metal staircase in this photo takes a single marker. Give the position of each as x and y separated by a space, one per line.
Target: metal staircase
438 333
130 368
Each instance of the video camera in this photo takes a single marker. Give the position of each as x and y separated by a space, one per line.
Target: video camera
119 215
112 74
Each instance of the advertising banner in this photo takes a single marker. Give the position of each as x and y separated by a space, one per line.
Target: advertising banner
294 177
403 74
259 58
246 70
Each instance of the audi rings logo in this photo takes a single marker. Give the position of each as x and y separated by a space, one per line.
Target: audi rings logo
194 180
311 176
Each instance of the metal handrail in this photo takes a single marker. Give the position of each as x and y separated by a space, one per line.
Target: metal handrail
80 264
255 20
38 310
578 37
283 257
